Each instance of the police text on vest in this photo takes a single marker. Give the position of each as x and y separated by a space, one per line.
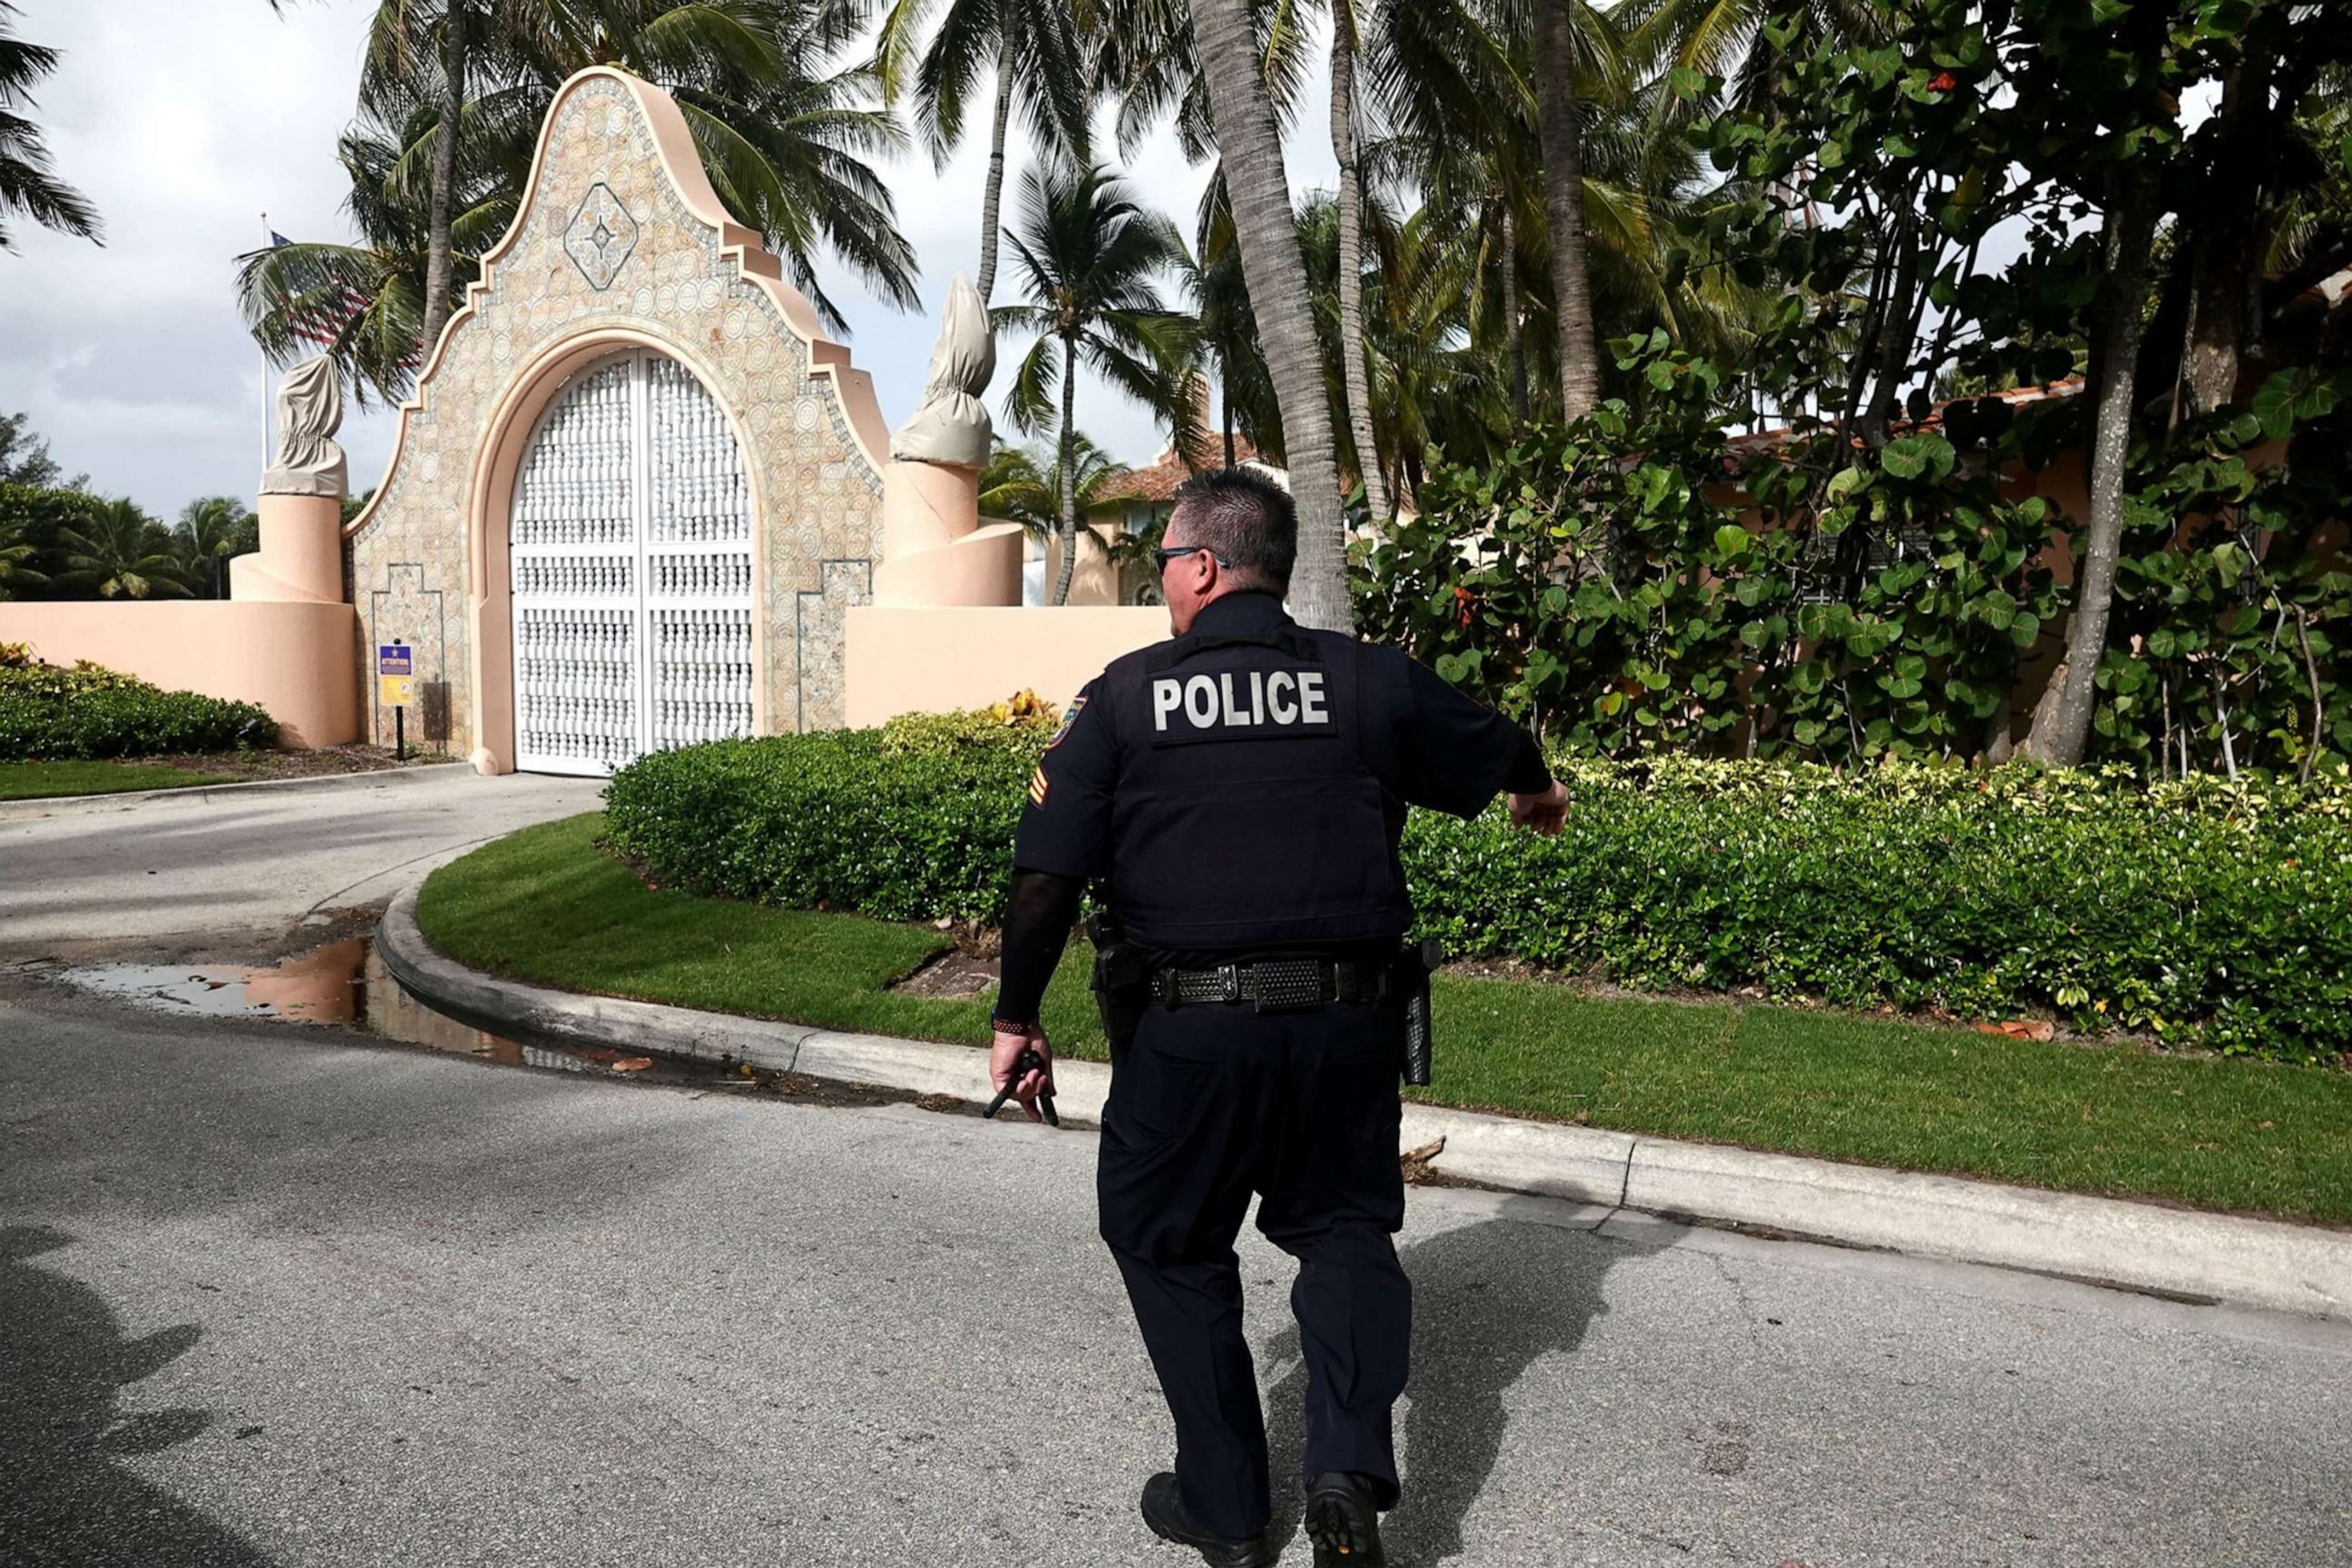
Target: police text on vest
1241 699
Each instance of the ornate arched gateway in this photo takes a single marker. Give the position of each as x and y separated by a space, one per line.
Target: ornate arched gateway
637 489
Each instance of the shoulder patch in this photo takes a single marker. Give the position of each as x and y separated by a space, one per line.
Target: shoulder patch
1077 705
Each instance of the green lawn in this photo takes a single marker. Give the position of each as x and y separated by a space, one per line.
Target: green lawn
545 905
28 781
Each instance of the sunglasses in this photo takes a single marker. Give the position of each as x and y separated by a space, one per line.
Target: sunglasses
1162 556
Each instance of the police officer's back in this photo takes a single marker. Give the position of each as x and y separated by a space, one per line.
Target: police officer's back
1239 793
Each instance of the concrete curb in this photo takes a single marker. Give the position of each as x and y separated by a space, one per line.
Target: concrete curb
125 800
2137 1245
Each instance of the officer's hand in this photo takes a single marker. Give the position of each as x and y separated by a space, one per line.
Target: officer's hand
1546 813
1006 1052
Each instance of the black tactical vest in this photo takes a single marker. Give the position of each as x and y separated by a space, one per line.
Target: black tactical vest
1245 813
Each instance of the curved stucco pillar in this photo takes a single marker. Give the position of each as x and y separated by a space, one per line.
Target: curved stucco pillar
301 553
935 551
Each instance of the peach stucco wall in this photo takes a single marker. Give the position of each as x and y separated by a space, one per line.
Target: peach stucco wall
941 660
292 657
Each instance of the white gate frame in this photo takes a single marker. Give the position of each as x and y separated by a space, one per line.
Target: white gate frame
687 602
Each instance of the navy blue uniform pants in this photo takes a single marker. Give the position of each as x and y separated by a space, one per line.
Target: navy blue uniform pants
1211 1104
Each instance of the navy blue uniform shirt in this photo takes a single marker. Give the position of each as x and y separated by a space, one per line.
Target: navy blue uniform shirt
1425 743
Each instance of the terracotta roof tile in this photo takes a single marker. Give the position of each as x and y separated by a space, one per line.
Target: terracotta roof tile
1160 482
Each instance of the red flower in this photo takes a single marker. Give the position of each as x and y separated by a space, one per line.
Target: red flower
1462 603
1943 81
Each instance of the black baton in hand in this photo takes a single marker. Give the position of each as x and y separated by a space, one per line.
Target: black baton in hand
1030 1062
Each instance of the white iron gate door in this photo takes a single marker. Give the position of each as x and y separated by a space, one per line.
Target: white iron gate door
630 555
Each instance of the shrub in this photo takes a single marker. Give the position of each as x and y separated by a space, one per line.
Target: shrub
2203 912
936 734
87 712
902 825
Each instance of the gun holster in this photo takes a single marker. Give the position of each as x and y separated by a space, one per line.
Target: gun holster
1414 966
1122 984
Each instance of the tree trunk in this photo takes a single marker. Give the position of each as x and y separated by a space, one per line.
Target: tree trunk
1225 412
1355 376
1275 268
991 204
445 176
2130 230
2226 265
1894 336
1069 508
1997 745
1513 335
1563 156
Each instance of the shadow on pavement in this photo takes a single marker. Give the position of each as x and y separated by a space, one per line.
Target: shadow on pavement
1489 1299
64 1497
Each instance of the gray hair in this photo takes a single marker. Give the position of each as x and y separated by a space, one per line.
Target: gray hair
1246 520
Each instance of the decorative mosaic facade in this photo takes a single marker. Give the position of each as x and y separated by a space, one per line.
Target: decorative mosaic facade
610 243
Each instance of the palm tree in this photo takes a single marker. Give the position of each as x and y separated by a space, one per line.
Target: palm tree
209 532
1142 53
1087 255
363 303
1038 61
781 134
1725 37
1570 37
1464 138
1347 109
1225 332
120 550
1022 484
407 46
26 185
1249 143
16 549
435 49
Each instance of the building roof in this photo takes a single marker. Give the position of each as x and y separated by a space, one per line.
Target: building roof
1159 483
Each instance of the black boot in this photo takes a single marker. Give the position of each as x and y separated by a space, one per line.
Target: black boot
1343 1519
1163 1511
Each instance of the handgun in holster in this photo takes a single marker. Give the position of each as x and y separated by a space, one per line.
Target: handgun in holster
1415 967
1122 983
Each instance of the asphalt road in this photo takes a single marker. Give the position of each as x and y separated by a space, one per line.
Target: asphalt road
237 870
271 1293
274 1293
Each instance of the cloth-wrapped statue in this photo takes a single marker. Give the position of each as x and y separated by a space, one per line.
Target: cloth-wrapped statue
309 411
951 426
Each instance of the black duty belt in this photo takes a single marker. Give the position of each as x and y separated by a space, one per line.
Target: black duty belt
1276 985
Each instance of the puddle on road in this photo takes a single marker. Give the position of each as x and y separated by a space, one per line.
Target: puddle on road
345 982
342 983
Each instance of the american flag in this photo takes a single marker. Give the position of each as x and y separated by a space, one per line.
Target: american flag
317 326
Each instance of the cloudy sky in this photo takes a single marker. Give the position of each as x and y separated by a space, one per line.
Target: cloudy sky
183 121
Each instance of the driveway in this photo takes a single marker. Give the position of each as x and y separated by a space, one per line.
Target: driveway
273 1293
241 871
278 1294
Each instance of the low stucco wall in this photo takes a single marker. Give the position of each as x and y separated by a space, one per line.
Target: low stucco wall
909 661
293 658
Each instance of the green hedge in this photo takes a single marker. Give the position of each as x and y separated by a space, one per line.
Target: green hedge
2206 913
49 714
913 821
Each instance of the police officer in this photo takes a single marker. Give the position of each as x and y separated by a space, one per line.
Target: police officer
1242 789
